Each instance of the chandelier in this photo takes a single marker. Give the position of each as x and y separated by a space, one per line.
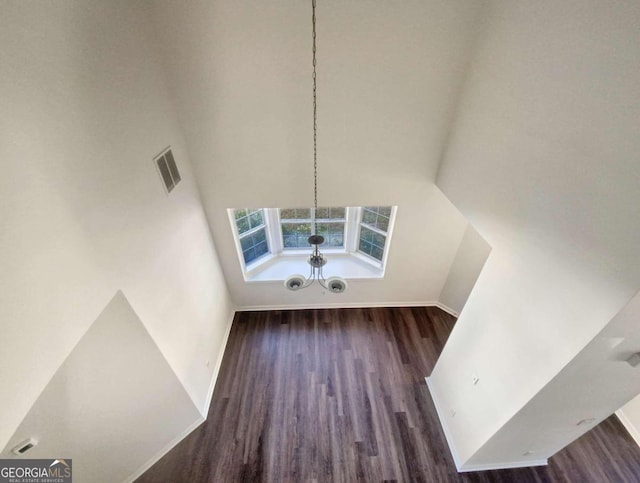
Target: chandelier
316 260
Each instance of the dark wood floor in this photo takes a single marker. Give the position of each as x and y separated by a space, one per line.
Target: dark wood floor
339 395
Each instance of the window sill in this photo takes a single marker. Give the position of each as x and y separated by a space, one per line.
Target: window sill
278 268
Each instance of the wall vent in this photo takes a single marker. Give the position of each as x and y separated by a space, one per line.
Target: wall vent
168 170
25 446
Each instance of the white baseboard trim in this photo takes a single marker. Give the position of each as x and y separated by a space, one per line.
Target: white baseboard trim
502 466
348 305
463 468
445 428
155 458
631 429
216 369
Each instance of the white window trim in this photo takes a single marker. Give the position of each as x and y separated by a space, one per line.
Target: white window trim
273 232
387 234
248 268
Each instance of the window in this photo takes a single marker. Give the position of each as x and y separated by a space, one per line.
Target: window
374 226
273 242
296 225
252 233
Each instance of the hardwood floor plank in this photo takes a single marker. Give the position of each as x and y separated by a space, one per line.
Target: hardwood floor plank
338 395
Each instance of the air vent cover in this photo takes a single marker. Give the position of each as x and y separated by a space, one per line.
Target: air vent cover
168 170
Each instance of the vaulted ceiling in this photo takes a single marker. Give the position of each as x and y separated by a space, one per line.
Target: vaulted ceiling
389 76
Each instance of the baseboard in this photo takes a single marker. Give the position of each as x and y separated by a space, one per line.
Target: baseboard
216 369
348 305
502 466
155 458
626 422
463 468
443 423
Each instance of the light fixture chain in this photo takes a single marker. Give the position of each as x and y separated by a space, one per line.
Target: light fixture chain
316 259
315 122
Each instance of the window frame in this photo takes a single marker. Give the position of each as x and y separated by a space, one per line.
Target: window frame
256 262
374 229
272 222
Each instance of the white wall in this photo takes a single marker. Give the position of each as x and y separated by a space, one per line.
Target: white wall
112 405
388 77
593 385
542 161
84 108
470 258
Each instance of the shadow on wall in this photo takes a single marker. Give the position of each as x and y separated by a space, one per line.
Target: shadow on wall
470 258
112 406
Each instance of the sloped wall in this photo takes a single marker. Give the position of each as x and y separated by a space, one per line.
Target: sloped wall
112 405
471 256
83 111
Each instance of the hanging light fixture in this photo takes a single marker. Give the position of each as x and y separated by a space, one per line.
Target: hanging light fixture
316 260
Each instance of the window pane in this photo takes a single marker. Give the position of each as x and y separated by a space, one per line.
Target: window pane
249 255
366 235
287 213
295 235
378 240
365 247
254 246
333 234
290 241
261 249
328 228
246 242
371 243
330 213
260 236
377 252
295 214
377 216
247 219
295 241
382 223
243 225
369 217
334 241
296 229
255 218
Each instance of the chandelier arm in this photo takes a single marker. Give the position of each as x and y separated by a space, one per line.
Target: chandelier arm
312 274
321 279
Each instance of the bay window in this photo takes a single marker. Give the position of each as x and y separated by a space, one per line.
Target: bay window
273 239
